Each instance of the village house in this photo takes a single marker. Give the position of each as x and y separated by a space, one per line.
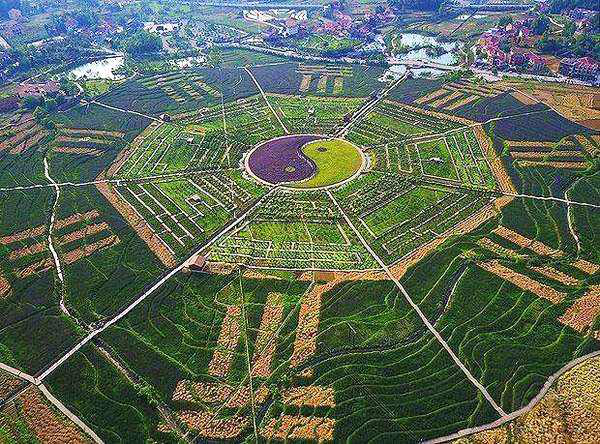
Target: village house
582 14
584 68
160 28
37 89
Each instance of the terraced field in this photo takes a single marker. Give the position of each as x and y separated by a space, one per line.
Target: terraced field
171 268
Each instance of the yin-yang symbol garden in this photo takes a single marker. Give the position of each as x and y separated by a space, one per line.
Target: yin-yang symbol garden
301 252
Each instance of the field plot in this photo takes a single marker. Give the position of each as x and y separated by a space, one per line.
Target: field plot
395 372
89 138
397 216
296 231
567 153
182 213
393 121
22 137
221 330
181 90
394 157
514 339
31 418
182 86
32 331
101 396
292 183
552 282
458 156
457 94
212 138
566 412
314 115
321 80
86 142
23 143
577 103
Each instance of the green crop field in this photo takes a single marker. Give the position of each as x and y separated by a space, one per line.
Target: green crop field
336 161
415 271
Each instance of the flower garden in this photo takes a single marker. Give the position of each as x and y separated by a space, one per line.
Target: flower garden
250 266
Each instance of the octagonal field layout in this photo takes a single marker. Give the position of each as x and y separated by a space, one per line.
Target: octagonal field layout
305 161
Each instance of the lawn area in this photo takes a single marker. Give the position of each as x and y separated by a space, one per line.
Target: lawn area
336 161
401 209
436 159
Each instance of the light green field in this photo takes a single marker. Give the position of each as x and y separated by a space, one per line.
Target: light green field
336 161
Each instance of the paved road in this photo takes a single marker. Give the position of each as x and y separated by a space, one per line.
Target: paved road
430 327
503 420
152 289
59 405
368 106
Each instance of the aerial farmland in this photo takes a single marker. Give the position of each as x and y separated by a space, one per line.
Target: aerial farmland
312 222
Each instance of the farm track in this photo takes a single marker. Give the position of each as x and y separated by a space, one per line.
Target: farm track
152 289
431 328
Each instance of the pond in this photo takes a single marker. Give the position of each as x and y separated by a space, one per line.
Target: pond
417 49
99 69
395 72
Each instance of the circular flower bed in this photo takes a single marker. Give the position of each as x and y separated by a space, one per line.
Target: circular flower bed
281 160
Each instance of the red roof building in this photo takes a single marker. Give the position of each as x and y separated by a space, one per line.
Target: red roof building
584 68
36 89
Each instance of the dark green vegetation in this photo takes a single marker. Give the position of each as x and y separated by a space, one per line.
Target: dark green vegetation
169 150
33 331
116 409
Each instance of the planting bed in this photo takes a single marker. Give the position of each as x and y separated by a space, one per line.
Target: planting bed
246 267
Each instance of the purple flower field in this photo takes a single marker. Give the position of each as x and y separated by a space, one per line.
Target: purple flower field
281 160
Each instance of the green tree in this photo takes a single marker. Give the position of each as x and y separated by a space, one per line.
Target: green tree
32 102
143 42
569 30
541 24
505 20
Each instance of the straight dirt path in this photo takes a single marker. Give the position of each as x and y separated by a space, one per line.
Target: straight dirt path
59 405
428 324
262 92
114 108
91 335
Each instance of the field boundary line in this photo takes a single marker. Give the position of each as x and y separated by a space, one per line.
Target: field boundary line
92 334
514 415
60 406
264 96
428 324
119 181
37 383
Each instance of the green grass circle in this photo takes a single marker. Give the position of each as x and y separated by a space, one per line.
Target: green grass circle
336 160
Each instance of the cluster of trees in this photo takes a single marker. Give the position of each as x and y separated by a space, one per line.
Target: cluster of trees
569 45
420 5
22 59
7 5
140 43
558 6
